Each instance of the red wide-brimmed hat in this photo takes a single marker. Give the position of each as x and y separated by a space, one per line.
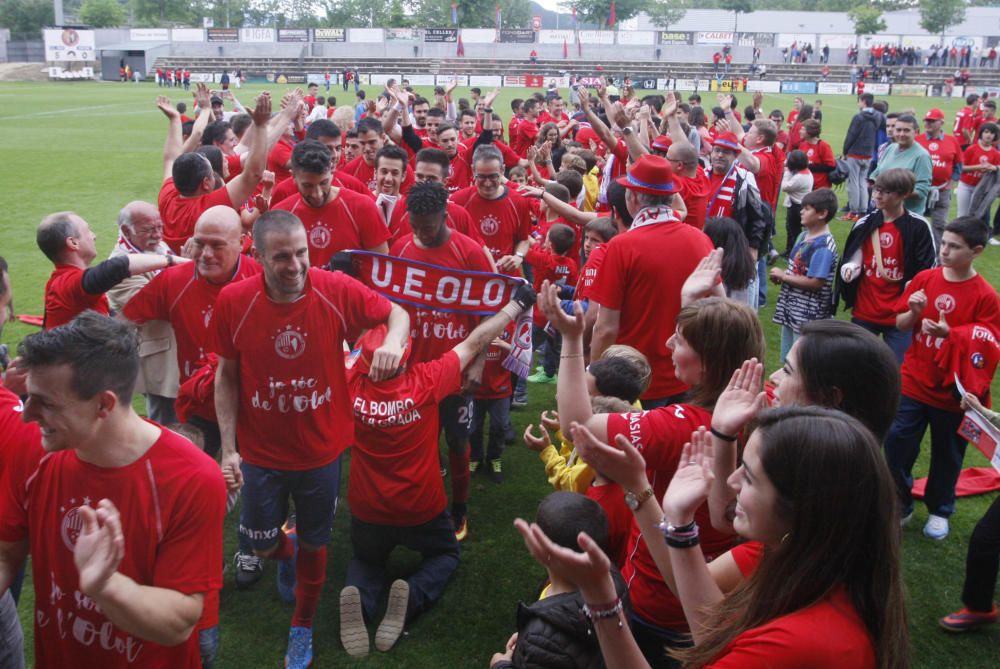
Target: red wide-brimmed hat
727 140
651 175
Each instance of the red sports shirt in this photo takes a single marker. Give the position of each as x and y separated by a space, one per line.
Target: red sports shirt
294 408
287 188
503 222
877 294
945 152
496 381
647 266
185 299
695 192
660 435
976 155
962 302
547 266
460 170
349 221
588 276
819 153
772 167
65 298
395 475
172 502
279 158
437 332
456 218
15 434
179 214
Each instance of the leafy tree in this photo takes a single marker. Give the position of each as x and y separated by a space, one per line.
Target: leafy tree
665 14
597 11
102 13
162 12
26 16
867 20
936 16
737 7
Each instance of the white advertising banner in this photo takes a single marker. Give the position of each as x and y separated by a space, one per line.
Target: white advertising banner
799 39
921 41
664 84
257 35
485 80
69 44
446 79
837 41
479 35
691 84
871 40
202 77
877 89
635 37
764 86
596 37
149 35
382 79
365 35
420 79
834 88
187 35
714 37
560 36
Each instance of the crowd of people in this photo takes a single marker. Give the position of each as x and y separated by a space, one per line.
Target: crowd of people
365 277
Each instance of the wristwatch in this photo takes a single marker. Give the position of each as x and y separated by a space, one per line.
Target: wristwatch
634 501
627 130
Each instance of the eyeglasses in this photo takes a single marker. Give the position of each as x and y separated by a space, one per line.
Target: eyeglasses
488 177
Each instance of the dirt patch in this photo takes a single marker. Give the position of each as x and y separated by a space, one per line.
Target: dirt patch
23 72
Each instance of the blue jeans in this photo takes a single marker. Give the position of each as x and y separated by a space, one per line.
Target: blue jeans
902 446
373 544
160 409
499 412
208 645
857 185
553 346
788 337
897 340
761 281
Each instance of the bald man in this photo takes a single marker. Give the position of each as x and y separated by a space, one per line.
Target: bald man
140 230
185 297
75 286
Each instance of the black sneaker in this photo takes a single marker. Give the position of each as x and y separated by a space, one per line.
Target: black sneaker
496 471
248 568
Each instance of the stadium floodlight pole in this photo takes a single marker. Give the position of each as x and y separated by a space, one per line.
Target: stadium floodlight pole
57 11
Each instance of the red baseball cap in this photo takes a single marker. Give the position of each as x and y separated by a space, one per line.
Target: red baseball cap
585 134
934 115
651 175
662 142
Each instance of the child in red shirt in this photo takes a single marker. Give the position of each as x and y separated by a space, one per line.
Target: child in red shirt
934 303
553 263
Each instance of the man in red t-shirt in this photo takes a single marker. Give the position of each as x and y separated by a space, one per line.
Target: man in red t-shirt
328 134
527 128
122 518
946 168
75 286
371 139
395 492
434 332
190 186
964 128
935 306
502 216
647 264
281 392
335 218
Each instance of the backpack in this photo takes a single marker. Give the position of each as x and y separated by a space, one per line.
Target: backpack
839 173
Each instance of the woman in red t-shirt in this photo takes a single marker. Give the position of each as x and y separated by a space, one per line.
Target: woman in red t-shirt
819 153
827 592
712 336
978 159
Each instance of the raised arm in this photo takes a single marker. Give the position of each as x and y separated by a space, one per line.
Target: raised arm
203 102
244 184
597 125
491 328
172 147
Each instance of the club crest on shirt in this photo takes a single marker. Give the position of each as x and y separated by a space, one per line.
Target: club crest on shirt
71 526
885 240
320 237
945 303
978 361
489 225
289 343
933 146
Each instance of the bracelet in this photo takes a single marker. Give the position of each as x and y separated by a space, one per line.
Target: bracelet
170 260
678 531
690 542
606 611
571 355
720 435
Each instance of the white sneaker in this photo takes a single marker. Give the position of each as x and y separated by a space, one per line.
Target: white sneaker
905 520
936 527
994 241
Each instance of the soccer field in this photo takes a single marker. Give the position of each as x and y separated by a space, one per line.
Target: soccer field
92 147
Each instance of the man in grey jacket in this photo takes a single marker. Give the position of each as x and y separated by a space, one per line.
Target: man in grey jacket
859 147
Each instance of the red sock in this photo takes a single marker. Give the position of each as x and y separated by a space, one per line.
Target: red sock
459 463
310 574
285 549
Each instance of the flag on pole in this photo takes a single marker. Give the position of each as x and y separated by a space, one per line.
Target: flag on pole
565 50
498 16
461 47
454 13
611 17
574 18
579 47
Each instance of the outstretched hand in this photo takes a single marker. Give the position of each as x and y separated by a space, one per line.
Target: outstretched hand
261 113
100 546
163 104
587 570
692 481
621 463
742 399
705 277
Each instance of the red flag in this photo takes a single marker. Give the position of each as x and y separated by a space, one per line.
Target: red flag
574 17
565 50
611 17
461 47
